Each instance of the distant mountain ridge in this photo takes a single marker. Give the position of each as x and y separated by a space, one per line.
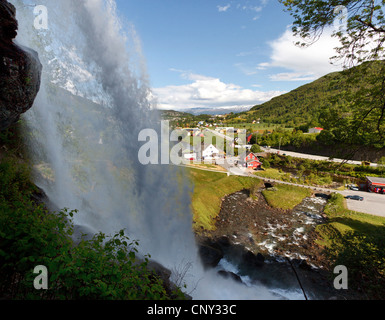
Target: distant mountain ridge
217 110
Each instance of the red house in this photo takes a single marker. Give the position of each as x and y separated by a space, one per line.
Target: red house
250 160
375 184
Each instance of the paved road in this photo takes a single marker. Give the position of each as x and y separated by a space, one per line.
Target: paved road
373 203
310 156
231 139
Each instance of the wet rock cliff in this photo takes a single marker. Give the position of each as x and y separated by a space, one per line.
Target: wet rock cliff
20 70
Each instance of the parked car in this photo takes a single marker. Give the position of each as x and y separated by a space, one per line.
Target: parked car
359 198
354 188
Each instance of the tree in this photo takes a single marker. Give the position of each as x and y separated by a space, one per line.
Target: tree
381 162
253 139
360 27
255 148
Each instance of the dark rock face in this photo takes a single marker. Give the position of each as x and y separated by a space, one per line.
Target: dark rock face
20 70
257 260
210 253
231 275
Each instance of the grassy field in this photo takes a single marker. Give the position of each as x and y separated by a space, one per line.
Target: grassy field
275 174
285 196
207 166
357 241
209 190
312 179
342 220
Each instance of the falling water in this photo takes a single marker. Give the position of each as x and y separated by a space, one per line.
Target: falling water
83 137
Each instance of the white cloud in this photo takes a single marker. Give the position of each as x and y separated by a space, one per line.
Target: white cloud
249 70
309 63
256 9
223 8
263 65
209 92
246 7
246 69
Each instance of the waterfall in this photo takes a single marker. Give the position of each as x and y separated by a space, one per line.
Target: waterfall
83 130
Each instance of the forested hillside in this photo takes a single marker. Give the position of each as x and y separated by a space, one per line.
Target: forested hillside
308 104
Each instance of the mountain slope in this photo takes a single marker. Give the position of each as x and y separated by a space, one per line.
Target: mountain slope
306 104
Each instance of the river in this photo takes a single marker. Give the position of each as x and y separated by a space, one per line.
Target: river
291 264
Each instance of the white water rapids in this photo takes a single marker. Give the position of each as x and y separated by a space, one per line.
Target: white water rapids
83 137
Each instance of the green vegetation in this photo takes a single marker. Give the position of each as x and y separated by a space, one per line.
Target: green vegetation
285 197
340 102
300 106
245 119
316 172
178 119
302 174
210 188
357 241
355 116
283 138
105 267
276 174
256 148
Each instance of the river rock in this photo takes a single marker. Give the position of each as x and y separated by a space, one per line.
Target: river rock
303 264
231 275
224 241
210 254
255 260
20 70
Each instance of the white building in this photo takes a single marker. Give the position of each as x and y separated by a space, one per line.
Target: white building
315 130
210 152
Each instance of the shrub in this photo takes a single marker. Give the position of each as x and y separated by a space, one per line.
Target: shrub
364 256
105 267
256 148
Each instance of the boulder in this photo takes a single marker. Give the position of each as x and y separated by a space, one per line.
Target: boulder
20 70
246 257
210 254
254 260
230 275
224 241
302 264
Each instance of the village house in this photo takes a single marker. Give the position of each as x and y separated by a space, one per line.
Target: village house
210 152
376 184
315 130
249 160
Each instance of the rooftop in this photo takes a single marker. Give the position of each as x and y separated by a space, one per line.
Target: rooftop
376 180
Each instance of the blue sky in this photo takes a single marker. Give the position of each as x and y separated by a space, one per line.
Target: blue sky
218 53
